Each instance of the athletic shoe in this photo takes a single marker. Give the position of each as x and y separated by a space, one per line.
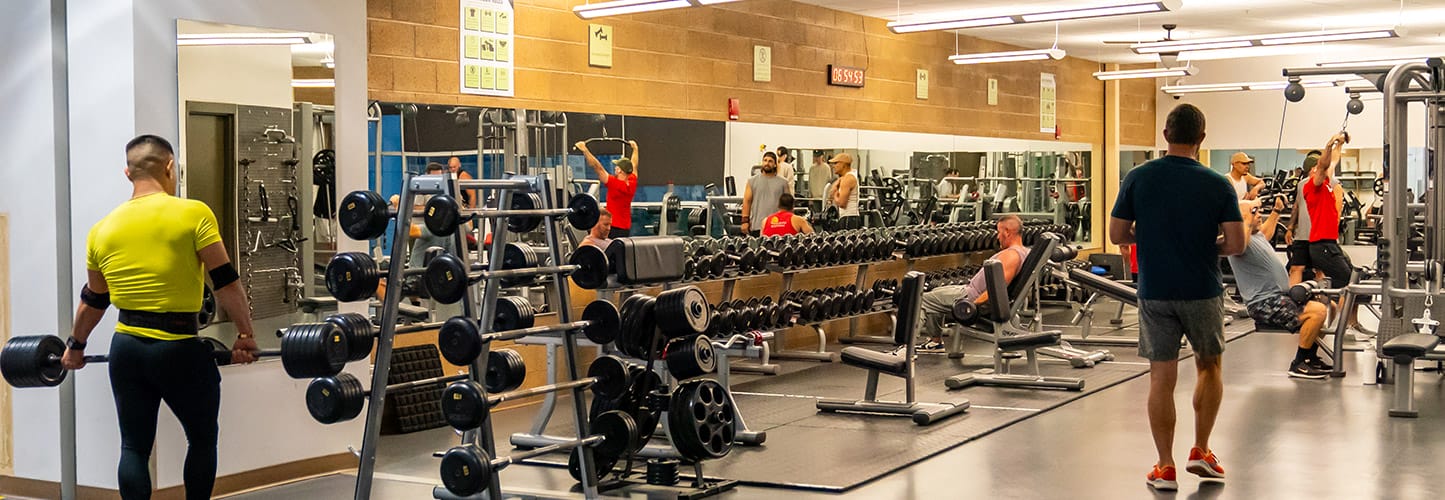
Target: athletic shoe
1204 464
1320 364
931 346
1358 333
1162 478
1304 370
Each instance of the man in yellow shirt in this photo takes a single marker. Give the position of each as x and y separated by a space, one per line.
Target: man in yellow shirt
147 257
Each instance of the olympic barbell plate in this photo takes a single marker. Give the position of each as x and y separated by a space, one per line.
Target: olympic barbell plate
363 215
25 361
335 399
464 406
593 267
506 371
446 279
585 211
613 377
466 470
442 214
682 311
208 308
524 201
690 357
700 420
619 433
459 340
513 313
352 276
314 350
603 322
360 333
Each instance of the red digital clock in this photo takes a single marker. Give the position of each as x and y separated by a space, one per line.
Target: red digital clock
845 76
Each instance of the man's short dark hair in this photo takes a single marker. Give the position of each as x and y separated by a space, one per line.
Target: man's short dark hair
147 156
783 151
785 202
770 154
819 153
1184 125
435 167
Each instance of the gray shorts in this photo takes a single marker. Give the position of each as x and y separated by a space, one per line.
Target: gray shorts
1162 323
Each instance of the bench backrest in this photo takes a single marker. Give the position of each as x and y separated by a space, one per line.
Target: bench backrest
908 300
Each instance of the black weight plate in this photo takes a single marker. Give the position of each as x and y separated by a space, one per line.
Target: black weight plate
466 470
363 215
575 468
208 308
619 435
524 201
352 276
593 264
690 357
682 312
335 399
506 371
513 313
464 407
518 256
25 361
459 340
314 350
585 211
700 419
613 377
604 322
360 334
442 215
446 279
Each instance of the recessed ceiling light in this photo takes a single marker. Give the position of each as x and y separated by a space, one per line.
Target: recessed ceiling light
1011 56
1235 42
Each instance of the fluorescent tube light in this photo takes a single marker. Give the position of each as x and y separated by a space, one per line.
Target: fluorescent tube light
1144 73
192 39
1018 55
1194 89
1371 62
313 83
620 7
1242 86
968 19
1236 42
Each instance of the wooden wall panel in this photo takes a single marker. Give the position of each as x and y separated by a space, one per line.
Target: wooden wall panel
686 63
7 444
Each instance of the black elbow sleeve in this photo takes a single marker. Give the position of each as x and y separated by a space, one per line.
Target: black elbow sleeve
223 275
96 300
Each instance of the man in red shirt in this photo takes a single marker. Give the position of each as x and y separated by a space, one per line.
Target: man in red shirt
784 222
621 187
1320 199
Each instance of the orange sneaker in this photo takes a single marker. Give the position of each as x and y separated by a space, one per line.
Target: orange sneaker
1162 478
1204 464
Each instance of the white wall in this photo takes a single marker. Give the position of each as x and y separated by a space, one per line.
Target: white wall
257 75
123 67
1251 120
27 194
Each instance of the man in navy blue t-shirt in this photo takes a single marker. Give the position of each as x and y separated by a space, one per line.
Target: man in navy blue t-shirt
1175 209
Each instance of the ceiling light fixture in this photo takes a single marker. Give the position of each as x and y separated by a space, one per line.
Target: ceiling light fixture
313 83
967 19
1371 62
194 39
1243 86
621 7
1125 74
1017 55
1236 42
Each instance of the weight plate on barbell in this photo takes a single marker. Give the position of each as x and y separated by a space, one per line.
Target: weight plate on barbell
604 322
363 215
26 361
506 371
524 223
442 215
700 420
593 267
335 399
352 276
446 279
682 311
585 211
459 340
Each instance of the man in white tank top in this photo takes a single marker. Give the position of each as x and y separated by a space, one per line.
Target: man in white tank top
1246 185
845 192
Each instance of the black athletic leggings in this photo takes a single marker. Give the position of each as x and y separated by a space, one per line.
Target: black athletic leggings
144 372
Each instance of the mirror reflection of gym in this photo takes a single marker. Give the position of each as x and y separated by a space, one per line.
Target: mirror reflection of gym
256 145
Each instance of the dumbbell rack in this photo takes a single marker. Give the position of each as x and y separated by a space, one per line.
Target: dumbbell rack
483 436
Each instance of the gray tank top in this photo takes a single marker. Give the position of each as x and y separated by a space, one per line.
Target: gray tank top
976 285
852 208
766 191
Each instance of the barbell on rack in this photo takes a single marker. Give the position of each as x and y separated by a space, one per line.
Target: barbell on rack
446 278
443 215
466 404
342 397
460 339
467 469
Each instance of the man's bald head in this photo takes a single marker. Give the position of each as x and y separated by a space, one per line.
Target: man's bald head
454 164
148 157
1009 227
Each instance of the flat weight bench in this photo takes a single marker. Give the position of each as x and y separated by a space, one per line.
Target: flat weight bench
895 364
1403 350
1001 311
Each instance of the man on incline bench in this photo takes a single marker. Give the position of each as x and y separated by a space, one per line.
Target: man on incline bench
937 304
1263 283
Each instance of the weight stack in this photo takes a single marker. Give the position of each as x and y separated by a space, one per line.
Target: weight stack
417 408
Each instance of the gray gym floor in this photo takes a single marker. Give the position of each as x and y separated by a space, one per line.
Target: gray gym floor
1277 437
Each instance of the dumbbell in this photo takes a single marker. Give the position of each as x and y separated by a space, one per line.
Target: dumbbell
443 215
1303 291
460 339
467 470
34 360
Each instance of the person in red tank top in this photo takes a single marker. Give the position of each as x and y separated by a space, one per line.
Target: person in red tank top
784 222
621 187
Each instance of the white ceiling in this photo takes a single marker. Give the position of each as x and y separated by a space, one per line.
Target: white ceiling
1424 21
